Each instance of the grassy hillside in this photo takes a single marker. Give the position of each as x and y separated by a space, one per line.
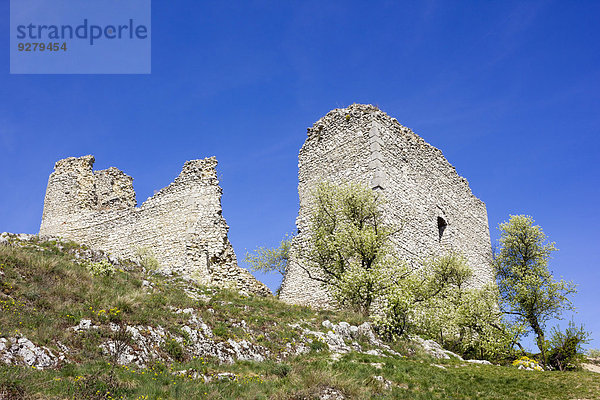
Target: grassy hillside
178 339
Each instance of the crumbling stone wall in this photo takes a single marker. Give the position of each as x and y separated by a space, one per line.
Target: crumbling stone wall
425 196
182 225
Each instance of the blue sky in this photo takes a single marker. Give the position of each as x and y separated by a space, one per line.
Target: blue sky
510 91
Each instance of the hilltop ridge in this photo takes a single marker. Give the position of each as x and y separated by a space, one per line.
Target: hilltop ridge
79 323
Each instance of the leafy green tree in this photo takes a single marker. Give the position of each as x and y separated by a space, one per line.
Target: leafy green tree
528 291
271 260
349 245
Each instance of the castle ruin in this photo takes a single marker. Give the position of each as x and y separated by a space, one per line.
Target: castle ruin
182 225
424 195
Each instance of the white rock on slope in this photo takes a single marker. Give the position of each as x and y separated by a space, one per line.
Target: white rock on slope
22 351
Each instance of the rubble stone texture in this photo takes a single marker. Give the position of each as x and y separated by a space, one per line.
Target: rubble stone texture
425 197
181 226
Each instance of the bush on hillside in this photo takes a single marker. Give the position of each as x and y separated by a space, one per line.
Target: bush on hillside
101 268
593 353
566 352
147 259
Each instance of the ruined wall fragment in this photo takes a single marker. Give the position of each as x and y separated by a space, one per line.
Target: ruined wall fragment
181 225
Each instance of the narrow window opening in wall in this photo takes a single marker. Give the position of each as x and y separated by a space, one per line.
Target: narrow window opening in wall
442 224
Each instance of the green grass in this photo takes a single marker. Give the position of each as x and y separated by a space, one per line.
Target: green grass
302 377
43 293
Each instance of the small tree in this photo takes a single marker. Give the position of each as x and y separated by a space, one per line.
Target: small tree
271 260
527 289
349 243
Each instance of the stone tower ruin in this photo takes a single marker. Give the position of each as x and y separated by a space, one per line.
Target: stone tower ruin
181 225
424 194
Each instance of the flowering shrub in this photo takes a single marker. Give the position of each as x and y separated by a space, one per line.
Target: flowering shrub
593 353
146 258
102 268
527 363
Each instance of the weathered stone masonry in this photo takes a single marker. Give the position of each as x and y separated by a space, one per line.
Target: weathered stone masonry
433 204
182 225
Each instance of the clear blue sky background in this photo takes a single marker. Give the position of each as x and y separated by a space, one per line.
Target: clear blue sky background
508 90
